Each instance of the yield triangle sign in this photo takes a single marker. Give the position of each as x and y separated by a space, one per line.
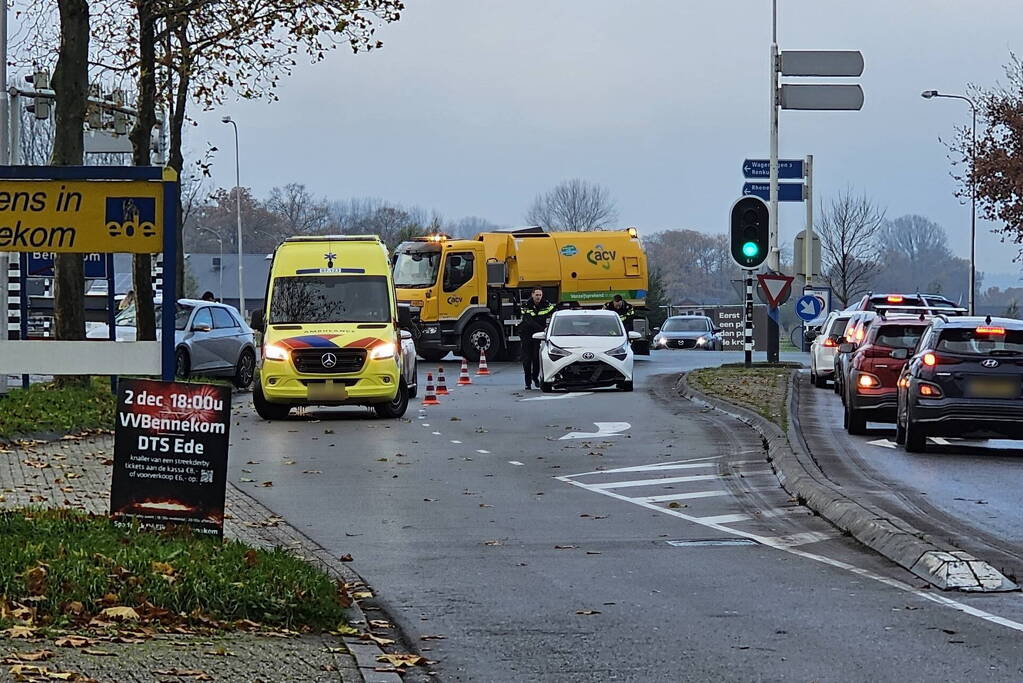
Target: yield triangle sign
776 288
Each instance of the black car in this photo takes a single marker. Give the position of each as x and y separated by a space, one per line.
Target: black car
964 380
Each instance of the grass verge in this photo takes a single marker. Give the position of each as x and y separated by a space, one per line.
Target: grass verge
63 568
44 408
760 389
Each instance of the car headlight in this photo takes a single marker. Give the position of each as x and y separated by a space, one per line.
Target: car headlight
556 352
620 352
701 341
383 351
660 341
275 352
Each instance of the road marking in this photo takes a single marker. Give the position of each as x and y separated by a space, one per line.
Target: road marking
883 443
480 450
724 519
656 466
514 462
806 538
940 441
838 564
681 496
604 430
455 441
426 424
652 482
571 394
435 433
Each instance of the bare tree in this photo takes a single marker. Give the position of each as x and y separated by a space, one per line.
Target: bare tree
849 227
300 213
573 205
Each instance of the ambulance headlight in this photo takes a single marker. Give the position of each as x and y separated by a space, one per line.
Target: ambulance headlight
383 351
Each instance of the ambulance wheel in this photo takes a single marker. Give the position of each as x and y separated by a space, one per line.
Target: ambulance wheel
480 335
265 409
396 408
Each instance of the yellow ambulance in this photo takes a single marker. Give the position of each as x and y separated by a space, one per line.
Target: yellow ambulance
331 329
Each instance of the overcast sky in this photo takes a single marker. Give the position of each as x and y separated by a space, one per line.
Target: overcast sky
474 106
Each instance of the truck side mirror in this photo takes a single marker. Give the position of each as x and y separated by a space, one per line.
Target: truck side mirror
257 323
404 315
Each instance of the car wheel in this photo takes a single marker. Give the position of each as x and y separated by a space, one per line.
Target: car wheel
182 363
414 390
480 335
396 407
546 387
245 369
625 386
855 423
900 432
265 409
916 439
820 382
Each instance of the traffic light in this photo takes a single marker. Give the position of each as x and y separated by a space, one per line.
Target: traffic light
40 106
750 227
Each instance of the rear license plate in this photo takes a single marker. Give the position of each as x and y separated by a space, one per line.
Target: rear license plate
992 387
327 391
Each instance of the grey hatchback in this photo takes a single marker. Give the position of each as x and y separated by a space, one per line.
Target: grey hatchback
212 339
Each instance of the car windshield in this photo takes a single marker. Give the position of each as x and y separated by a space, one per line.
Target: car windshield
984 340
685 325
416 268
899 336
126 318
181 316
586 326
838 326
330 299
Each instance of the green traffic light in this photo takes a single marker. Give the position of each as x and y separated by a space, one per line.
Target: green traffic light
750 249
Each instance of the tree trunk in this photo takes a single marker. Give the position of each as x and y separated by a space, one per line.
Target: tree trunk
71 86
142 276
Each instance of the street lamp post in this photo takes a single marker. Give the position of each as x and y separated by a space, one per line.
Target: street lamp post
928 94
238 197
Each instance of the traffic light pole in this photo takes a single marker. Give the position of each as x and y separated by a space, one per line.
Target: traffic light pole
747 321
773 260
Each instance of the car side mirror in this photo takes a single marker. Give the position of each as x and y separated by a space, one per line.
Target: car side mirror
635 335
404 315
900 354
810 336
716 330
539 336
405 334
257 322
657 329
200 327
839 340
845 347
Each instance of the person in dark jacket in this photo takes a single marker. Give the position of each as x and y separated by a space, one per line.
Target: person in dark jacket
536 312
624 310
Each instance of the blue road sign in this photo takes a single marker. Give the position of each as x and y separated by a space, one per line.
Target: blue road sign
761 168
808 307
787 192
40 264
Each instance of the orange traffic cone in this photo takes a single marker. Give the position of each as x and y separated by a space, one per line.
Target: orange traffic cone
442 385
482 370
463 376
430 399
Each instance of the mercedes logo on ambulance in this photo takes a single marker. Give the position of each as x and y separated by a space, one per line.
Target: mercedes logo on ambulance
329 360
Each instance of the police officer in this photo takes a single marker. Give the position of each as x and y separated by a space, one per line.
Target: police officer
535 314
624 310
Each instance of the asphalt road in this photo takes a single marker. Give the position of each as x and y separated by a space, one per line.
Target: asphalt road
967 490
542 550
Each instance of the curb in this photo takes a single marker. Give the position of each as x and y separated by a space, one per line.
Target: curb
941 565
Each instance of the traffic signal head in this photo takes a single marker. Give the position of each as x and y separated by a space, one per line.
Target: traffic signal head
750 232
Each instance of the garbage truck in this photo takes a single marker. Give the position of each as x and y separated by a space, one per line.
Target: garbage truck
465 294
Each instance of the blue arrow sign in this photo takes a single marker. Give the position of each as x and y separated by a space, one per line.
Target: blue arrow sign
808 307
787 192
40 264
761 168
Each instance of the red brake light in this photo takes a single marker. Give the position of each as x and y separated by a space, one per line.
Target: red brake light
895 299
830 343
991 330
930 359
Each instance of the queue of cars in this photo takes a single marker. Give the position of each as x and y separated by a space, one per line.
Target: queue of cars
919 362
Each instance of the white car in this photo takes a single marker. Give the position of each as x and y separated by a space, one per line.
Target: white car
585 349
824 347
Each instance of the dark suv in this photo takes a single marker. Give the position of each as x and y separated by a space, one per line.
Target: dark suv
874 369
963 380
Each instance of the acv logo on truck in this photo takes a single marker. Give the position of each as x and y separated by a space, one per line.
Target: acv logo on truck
130 215
599 256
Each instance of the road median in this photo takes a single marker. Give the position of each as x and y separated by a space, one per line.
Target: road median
773 414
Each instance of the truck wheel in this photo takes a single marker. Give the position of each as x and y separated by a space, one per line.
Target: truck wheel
432 355
265 409
480 335
396 408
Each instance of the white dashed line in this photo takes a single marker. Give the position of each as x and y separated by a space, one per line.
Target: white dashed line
514 462
480 450
436 433
455 441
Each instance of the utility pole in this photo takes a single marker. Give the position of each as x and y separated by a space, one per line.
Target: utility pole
808 233
5 158
773 253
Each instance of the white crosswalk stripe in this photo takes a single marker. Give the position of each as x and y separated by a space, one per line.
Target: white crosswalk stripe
654 482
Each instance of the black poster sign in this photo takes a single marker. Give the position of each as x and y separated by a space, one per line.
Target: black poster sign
170 454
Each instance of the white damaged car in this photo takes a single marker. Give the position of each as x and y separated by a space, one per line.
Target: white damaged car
585 349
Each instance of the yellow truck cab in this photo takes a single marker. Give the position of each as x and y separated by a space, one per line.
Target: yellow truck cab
465 294
331 332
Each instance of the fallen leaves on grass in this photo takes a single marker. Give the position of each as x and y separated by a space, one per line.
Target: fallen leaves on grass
120 614
74 641
19 632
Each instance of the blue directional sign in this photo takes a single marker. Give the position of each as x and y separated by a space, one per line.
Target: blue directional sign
761 168
40 264
787 192
808 307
